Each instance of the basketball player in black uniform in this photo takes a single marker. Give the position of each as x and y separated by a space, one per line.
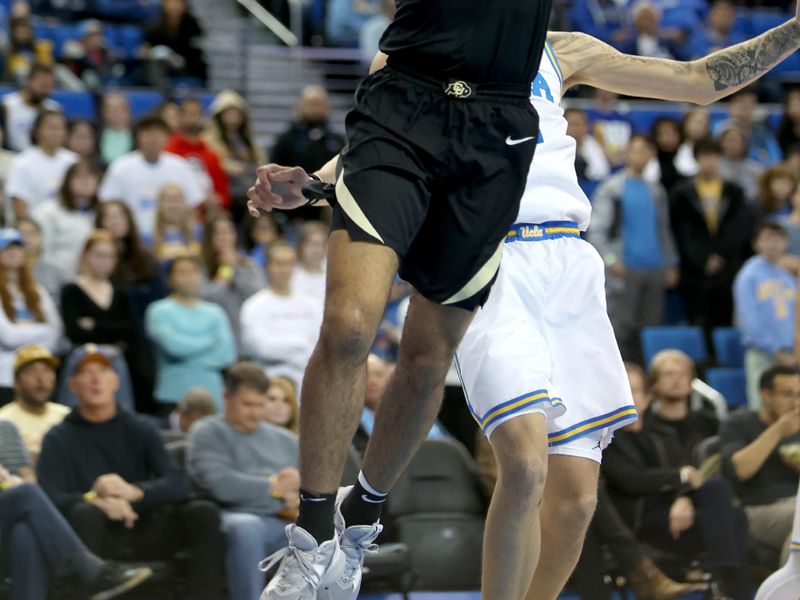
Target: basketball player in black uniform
438 149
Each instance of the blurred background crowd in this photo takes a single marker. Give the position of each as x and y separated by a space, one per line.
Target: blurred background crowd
139 297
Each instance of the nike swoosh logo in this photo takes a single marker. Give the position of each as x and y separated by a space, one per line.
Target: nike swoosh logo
511 142
366 498
304 499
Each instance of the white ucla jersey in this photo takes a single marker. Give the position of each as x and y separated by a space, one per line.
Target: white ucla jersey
552 192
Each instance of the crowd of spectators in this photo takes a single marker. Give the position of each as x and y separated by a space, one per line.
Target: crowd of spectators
137 294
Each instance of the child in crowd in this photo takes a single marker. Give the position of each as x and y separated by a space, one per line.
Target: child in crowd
175 227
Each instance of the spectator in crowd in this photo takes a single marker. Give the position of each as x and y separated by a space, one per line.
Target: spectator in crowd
179 31
37 172
378 374
116 133
309 278
309 142
631 231
92 60
345 18
259 233
230 134
791 223
175 228
20 109
789 128
373 28
170 112
696 126
591 163
279 325
282 408
249 467
649 37
67 221
232 278
94 309
196 404
108 472
792 158
609 529
610 127
188 143
6 160
49 276
137 274
712 226
662 496
82 140
607 20
766 296
28 315
24 50
38 540
736 166
666 133
136 177
776 186
742 107
764 476
192 339
31 411
718 32
14 458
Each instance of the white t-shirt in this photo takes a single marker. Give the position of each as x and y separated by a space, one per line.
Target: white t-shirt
19 118
137 182
280 331
64 232
309 284
36 177
33 427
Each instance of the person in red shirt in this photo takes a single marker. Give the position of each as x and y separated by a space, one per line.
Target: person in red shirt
186 142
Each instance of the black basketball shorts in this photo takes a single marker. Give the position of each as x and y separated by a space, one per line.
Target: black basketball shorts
435 170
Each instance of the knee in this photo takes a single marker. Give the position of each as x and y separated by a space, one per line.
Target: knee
347 332
576 510
523 474
203 513
716 491
241 528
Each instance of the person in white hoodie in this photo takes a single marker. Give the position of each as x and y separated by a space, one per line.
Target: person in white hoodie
279 325
27 313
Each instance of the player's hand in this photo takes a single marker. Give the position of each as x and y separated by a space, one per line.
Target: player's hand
681 516
276 187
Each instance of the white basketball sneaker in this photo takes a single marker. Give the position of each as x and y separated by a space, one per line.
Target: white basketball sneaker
355 542
306 569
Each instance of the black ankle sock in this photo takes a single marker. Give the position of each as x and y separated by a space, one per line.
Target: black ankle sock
362 507
316 515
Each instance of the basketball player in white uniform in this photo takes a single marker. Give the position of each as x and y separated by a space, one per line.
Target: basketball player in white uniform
540 364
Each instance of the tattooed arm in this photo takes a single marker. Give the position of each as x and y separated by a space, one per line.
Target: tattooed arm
586 60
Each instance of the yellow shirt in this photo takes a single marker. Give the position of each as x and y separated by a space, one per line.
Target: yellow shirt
34 427
710 193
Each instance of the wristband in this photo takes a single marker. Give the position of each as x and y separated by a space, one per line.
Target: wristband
89 496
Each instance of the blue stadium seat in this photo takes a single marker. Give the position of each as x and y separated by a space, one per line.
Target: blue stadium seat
687 339
76 104
728 347
731 383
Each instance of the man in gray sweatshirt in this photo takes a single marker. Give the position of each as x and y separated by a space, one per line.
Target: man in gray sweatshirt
250 468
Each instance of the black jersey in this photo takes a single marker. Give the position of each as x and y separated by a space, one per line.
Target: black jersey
498 41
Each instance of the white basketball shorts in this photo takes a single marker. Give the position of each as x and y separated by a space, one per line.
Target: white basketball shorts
543 343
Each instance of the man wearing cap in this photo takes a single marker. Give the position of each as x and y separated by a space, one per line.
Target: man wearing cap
34 382
108 472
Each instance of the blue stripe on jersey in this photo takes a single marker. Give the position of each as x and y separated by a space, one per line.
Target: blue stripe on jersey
551 55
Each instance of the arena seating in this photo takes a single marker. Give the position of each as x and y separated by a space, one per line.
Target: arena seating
687 339
728 347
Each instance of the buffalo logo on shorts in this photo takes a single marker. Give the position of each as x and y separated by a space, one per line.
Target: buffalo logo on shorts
458 89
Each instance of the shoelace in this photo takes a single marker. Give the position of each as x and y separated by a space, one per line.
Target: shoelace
364 546
303 562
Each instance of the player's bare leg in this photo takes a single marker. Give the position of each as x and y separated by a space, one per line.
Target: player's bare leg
414 394
570 496
512 538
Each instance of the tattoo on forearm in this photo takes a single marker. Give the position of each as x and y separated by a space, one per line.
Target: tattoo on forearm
750 60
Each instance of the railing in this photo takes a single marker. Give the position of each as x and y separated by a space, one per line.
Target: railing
273 24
